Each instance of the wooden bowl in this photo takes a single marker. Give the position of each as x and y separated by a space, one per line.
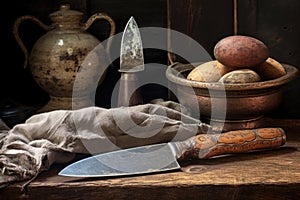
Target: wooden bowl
229 106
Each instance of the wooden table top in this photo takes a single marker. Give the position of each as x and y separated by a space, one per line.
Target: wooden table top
269 174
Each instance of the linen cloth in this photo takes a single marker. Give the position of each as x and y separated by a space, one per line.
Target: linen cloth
57 136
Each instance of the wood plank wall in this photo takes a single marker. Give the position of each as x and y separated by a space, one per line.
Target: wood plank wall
275 22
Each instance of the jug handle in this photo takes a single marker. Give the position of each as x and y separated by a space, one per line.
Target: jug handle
16 33
104 16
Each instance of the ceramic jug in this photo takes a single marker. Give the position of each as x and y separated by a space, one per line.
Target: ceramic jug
56 57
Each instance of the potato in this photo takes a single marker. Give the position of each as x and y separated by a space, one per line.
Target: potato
240 76
210 71
270 69
241 51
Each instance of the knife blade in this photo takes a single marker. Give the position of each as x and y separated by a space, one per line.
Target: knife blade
165 156
131 62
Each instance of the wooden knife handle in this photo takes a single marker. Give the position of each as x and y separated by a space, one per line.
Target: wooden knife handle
129 92
238 141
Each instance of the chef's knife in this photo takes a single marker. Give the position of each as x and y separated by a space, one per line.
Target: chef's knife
131 62
165 156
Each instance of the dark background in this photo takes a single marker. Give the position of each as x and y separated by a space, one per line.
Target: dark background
275 22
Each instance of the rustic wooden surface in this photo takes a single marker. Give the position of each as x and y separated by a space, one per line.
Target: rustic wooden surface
270 174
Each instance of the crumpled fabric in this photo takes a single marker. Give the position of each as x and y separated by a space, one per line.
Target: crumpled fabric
57 136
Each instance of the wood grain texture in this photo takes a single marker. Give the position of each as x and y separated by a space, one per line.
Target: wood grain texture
204 21
270 174
275 23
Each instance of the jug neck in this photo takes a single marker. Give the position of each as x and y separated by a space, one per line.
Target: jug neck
65 18
68 26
